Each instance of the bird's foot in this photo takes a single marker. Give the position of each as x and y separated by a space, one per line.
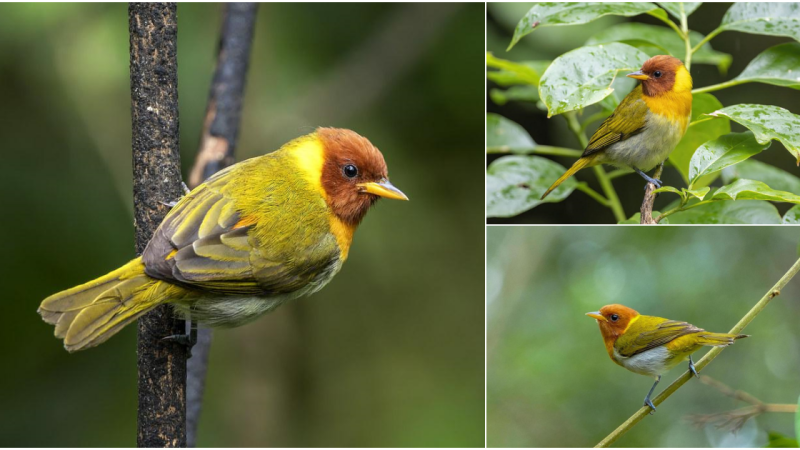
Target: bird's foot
692 369
648 178
175 202
649 403
187 340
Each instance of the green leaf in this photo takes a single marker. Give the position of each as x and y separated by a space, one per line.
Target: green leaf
778 65
515 93
657 40
503 135
668 189
699 193
515 184
777 440
523 72
753 190
792 216
637 218
756 170
772 18
722 152
697 135
675 9
583 76
561 13
742 212
767 122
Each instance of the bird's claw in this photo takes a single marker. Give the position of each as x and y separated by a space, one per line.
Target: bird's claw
187 340
175 202
649 403
692 368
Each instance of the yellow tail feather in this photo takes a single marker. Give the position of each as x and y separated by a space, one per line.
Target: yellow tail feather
579 164
88 314
718 339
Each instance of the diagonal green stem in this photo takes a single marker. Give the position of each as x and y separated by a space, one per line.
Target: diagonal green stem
583 187
716 87
706 39
705 360
669 22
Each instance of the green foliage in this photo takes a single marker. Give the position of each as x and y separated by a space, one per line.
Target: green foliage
722 152
584 76
503 135
778 65
777 440
590 75
656 40
557 13
516 183
773 18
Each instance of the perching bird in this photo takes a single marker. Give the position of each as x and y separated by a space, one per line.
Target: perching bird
650 345
253 236
646 126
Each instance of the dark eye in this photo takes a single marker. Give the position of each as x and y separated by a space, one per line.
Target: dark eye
350 171
657 74
614 317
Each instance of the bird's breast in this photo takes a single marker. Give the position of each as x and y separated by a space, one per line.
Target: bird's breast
652 362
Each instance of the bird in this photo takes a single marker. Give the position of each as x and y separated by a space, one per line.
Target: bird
257 234
646 126
650 345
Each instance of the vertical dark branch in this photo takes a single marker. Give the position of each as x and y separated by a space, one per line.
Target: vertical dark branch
156 180
216 152
225 99
646 216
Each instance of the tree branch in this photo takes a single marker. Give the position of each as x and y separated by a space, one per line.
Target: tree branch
735 419
217 146
705 360
156 180
649 198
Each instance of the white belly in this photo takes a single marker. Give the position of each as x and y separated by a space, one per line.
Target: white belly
652 362
648 148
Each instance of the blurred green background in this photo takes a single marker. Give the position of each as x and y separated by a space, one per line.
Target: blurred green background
548 43
391 353
550 382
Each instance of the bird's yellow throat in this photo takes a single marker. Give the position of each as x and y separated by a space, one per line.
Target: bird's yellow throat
676 104
310 156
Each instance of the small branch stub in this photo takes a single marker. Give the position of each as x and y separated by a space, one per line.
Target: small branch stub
156 181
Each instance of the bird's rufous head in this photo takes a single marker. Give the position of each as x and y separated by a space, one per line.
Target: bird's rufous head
661 74
354 174
613 320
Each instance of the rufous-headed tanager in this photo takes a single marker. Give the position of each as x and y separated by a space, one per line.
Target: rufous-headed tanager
647 124
650 345
253 236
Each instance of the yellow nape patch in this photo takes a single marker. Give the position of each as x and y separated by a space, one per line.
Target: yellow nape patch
310 156
632 321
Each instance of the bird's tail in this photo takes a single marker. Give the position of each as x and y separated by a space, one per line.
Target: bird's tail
718 339
579 164
88 314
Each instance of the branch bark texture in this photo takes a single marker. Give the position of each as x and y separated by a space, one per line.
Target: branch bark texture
705 360
156 180
646 211
216 152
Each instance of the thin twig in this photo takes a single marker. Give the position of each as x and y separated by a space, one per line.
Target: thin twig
220 131
156 180
734 420
704 361
649 198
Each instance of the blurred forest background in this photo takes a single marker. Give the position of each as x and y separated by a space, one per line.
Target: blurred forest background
550 382
549 42
391 353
